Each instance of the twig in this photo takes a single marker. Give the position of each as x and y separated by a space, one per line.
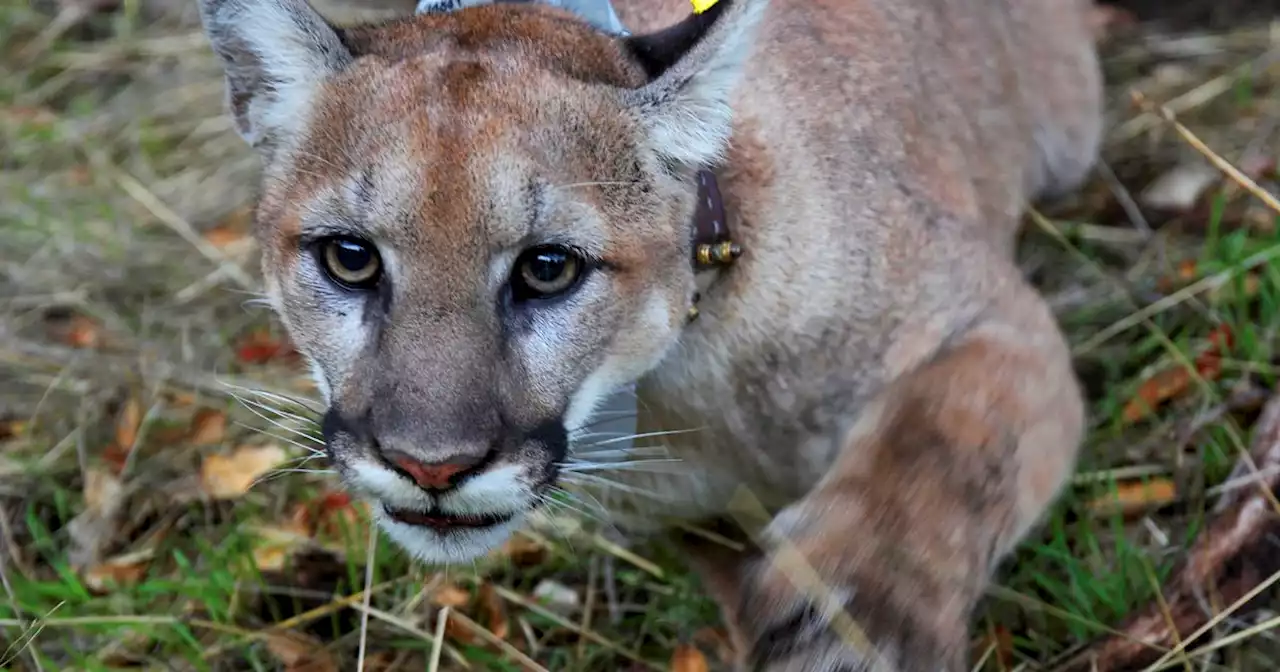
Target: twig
1213 157
442 619
370 554
559 620
183 228
1234 558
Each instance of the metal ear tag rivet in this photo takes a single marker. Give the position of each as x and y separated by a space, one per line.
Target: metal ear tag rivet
718 254
692 314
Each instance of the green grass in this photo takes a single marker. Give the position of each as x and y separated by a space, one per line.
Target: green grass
133 100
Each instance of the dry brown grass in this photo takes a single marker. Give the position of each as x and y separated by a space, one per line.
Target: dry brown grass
127 322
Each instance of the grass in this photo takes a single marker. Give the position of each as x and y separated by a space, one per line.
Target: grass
127 315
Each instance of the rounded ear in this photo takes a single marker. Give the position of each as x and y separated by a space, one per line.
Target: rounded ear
274 53
694 67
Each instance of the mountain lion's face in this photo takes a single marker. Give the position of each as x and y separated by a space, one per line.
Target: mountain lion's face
475 227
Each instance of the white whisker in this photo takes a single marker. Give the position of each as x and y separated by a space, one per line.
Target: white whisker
587 479
625 465
642 435
597 455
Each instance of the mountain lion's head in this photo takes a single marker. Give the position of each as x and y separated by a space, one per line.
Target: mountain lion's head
475 226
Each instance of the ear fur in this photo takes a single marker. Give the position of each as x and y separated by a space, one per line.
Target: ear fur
694 67
275 53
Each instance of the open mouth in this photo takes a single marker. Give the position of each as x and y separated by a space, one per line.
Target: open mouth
441 521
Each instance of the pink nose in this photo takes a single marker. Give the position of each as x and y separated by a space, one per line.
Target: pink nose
434 475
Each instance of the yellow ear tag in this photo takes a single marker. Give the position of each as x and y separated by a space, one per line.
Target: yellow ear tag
700 6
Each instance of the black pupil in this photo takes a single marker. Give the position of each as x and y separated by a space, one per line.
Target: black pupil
547 265
352 256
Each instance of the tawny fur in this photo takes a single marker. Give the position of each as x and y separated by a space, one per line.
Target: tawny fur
874 368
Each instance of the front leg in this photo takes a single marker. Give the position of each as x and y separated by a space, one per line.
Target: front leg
940 478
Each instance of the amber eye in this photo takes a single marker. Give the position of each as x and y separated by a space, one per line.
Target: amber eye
545 271
351 262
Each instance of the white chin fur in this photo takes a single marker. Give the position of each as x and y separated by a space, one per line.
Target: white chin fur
454 547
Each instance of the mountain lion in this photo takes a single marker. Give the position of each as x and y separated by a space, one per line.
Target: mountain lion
789 224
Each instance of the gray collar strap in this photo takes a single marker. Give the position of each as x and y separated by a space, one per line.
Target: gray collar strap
598 13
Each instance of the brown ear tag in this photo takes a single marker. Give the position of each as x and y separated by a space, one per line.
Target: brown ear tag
712 245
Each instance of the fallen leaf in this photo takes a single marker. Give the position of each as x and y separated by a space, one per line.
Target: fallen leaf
1155 390
1133 497
229 475
450 595
261 347
300 653
456 632
127 423
208 427
335 517
523 551
270 557
125 570
275 543
1180 187
79 331
94 527
556 597
223 237
1169 383
687 658
493 612
12 429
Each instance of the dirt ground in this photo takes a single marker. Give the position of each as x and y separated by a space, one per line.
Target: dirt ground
163 504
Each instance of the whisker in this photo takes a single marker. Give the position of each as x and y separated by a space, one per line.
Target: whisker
300 402
642 451
292 430
643 435
626 465
278 411
585 479
310 449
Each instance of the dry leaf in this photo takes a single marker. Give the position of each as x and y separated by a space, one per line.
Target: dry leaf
12 429
127 423
687 658
260 347
223 237
493 612
230 475
1180 188
450 595
1135 497
300 653
1155 390
208 426
270 557
275 543
125 570
556 597
456 632
1169 383
81 332
95 526
335 515
523 551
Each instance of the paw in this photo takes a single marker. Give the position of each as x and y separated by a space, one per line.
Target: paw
827 599
789 629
